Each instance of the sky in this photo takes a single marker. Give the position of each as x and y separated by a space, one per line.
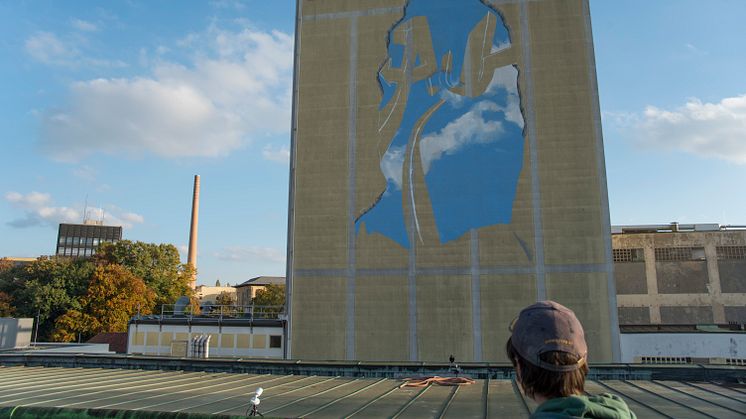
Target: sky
115 106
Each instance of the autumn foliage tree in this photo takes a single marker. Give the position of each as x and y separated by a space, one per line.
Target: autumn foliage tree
158 265
6 305
114 295
270 295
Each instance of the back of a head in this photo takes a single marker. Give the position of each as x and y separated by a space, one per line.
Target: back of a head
548 349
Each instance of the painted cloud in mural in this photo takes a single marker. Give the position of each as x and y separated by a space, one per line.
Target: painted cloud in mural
459 124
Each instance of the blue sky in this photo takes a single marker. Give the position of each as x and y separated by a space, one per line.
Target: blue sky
121 103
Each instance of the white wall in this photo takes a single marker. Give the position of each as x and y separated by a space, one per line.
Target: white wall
228 341
15 333
695 345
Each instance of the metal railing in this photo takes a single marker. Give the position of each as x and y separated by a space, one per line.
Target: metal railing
222 312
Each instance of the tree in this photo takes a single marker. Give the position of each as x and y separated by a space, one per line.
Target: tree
114 295
5 264
217 283
157 264
226 298
271 299
6 305
47 286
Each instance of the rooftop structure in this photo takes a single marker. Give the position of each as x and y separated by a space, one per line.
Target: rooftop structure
19 261
82 240
333 390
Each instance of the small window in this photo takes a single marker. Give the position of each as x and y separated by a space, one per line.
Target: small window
275 341
629 255
62 239
731 252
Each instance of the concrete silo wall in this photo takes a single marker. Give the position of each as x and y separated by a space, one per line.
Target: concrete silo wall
447 170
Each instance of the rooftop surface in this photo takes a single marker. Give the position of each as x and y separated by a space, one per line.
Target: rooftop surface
263 280
335 396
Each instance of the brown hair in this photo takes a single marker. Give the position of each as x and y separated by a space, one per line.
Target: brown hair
550 384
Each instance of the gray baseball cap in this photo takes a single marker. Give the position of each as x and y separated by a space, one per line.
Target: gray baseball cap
545 327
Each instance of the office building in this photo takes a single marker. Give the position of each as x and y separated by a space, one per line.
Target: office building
81 240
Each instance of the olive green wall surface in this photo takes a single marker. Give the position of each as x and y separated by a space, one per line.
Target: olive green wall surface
447 170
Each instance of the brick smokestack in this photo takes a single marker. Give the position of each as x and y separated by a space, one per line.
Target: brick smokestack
192 258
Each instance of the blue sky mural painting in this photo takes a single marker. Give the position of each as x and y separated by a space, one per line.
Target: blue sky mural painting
468 134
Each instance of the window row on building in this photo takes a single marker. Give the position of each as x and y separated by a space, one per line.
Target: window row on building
675 254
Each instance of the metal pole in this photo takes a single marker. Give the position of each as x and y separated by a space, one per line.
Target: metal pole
36 333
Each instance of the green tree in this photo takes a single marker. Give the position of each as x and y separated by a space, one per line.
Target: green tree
6 305
114 295
226 298
49 286
270 295
157 264
217 283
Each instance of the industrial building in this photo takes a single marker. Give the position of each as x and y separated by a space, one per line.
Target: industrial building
82 240
446 171
209 295
680 274
236 332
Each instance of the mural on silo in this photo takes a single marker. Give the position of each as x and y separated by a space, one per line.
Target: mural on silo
461 117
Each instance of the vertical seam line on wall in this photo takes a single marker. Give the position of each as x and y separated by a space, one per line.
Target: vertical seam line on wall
601 167
412 271
351 180
541 288
476 295
291 181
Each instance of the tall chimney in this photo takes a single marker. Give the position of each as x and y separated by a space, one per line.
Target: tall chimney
192 258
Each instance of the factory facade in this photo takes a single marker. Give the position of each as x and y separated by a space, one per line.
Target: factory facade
447 170
680 274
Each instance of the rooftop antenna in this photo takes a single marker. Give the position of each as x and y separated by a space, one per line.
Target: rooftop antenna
85 210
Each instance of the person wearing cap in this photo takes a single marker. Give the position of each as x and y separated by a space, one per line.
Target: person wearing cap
548 351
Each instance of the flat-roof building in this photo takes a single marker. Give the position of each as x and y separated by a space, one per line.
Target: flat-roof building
81 240
680 274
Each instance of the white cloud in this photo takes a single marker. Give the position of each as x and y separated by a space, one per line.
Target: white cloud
85 172
392 165
280 155
505 79
46 48
83 25
694 50
132 218
716 130
469 128
251 254
29 200
38 210
237 86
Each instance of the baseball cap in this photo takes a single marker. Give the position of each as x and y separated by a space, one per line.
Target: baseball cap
545 327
